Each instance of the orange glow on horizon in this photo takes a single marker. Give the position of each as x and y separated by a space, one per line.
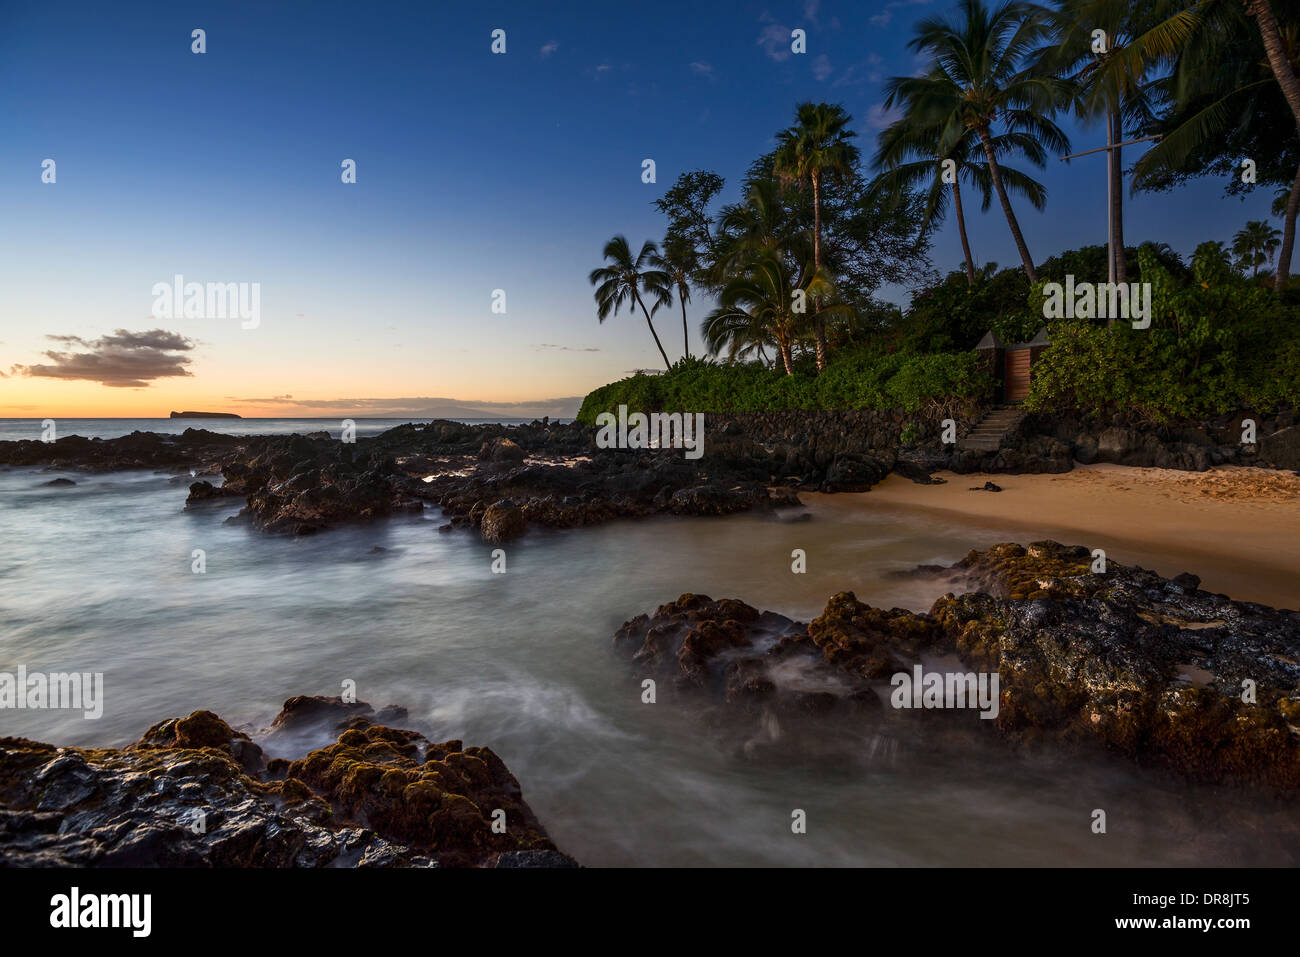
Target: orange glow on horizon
32 398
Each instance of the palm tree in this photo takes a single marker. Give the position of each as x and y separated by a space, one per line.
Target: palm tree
912 154
679 262
1256 244
763 223
816 148
1226 96
625 279
979 81
762 306
1275 49
1111 85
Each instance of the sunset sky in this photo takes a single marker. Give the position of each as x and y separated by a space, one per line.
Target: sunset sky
475 172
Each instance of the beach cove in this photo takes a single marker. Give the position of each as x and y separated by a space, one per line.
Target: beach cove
523 662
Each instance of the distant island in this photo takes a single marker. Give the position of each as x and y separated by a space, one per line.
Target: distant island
205 415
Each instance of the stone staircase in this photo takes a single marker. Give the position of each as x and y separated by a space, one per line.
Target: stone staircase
989 432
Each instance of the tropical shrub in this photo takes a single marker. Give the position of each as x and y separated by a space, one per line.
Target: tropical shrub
866 378
1217 342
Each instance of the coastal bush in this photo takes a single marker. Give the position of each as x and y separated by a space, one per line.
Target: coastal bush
1217 342
955 314
864 378
938 381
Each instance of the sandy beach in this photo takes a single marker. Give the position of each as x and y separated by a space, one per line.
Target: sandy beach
1238 528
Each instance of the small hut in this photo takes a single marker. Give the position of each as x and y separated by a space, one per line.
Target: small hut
1011 366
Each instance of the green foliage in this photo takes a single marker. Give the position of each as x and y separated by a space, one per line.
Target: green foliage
1217 342
856 379
937 381
955 314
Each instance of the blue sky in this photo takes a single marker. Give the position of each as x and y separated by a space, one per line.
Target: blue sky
475 172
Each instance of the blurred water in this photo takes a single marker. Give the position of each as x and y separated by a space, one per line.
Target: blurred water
97 577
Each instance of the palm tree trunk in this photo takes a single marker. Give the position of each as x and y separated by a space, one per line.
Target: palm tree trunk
1288 234
996 173
817 221
961 228
1277 59
785 357
1117 199
667 364
819 324
686 336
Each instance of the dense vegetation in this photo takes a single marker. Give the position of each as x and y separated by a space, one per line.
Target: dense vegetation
1217 342
859 378
794 264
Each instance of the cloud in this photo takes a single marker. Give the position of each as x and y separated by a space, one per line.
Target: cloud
860 73
548 49
848 78
821 67
123 360
775 41
547 345
701 69
810 10
884 17
878 117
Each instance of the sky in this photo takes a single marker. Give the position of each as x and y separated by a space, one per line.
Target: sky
476 172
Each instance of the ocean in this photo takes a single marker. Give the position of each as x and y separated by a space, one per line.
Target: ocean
99 577
12 430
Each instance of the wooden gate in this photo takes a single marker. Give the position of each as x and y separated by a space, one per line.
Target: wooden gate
1016 375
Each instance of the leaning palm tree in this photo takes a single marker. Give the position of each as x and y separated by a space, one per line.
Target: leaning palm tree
1284 70
1256 244
979 80
911 154
769 304
679 262
816 149
1223 86
625 279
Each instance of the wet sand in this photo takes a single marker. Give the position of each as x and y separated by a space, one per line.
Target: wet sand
1237 528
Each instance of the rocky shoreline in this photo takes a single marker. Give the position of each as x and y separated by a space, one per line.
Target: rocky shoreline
1175 679
1154 669
501 480
193 792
